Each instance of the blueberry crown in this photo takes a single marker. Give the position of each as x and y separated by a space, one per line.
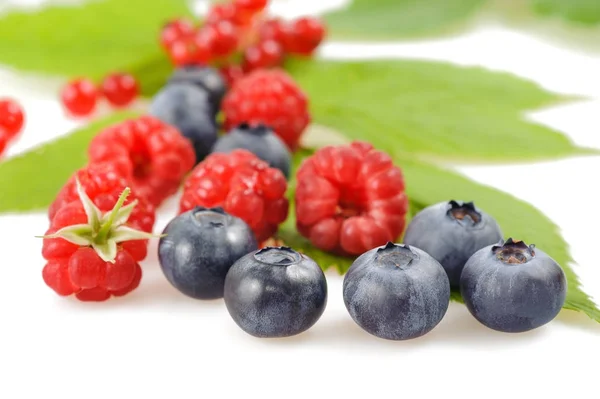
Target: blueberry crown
278 256
514 251
398 255
462 210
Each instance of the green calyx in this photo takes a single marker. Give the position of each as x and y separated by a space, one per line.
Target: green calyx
102 231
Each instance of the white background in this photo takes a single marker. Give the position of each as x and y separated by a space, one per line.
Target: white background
158 343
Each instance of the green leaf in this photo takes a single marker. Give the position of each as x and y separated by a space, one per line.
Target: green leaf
31 180
90 39
428 184
390 19
581 11
434 110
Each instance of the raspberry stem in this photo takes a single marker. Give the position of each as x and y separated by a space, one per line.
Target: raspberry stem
106 227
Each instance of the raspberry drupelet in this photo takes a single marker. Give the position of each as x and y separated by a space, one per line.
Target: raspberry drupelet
244 186
94 254
350 199
153 156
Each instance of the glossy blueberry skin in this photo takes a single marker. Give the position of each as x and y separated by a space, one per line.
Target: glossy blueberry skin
188 108
206 78
451 242
199 248
513 297
393 298
261 141
275 292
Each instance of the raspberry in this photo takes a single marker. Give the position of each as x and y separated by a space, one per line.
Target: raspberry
241 184
79 97
350 199
247 9
11 118
226 12
91 253
152 156
305 35
120 89
270 97
266 54
103 183
175 30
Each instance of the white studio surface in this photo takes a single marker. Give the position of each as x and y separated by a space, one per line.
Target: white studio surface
157 343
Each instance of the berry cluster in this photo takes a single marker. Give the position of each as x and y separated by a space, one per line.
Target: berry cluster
98 227
244 186
11 122
240 27
80 96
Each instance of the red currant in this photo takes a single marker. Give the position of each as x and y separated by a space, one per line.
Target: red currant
248 8
189 52
273 29
267 54
306 35
80 96
11 118
222 37
3 140
120 89
231 73
174 31
225 12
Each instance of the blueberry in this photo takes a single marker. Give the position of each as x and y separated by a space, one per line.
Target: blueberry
187 107
199 248
396 292
275 292
207 78
511 287
451 232
259 140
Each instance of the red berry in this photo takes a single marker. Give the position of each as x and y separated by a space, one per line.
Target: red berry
221 38
249 8
270 97
120 89
175 30
186 52
226 12
305 35
3 140
266 54
153 157
244 186
11 118
231 73
87 249
350 199
79 97
103 183
274 29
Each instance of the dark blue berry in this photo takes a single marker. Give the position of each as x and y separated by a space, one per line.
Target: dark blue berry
259 140
206 78
511 287
451 232
188 108
396 292
275 292
199 248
